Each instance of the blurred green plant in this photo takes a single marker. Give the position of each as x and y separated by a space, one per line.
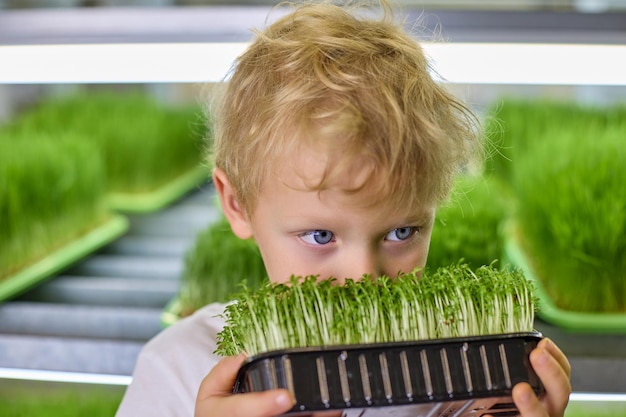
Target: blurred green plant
144 144
468 227
216 267
52 189
571 214
34 398
514 125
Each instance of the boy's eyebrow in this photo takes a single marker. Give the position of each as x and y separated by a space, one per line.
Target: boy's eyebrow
422 216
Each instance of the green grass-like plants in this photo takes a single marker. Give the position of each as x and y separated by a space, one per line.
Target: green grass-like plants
515 125
453 301
469 225
216 267
52 190
571 216
145 144
20 398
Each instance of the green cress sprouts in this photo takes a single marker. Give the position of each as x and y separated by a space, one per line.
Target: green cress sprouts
453 301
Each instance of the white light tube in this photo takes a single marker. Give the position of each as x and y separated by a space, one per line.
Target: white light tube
467 63
597 397
551 64
57 376
117 63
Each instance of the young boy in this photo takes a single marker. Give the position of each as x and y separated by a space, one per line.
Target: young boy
334 147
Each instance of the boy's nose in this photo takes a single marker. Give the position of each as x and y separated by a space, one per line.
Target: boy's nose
359 262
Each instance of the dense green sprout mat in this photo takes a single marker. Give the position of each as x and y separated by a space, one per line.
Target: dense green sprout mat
52 207
468 226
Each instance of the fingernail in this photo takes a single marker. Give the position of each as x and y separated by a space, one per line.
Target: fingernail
542 357
525 396
284 400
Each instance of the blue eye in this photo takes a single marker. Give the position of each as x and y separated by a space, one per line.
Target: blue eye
318 237
401 233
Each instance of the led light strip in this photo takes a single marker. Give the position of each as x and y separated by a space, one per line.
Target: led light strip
466 63
56 376
549 64
597 397
117 63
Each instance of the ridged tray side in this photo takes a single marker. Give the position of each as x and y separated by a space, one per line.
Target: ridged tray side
397 374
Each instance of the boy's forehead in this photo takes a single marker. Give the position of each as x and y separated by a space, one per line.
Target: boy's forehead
322 167
353 181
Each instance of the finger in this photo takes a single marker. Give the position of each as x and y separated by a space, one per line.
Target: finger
560 357
527 402
220 380
554 378
257 404
215 396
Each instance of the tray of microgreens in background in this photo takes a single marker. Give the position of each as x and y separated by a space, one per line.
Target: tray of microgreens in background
454 342
53 207
570 238
152 152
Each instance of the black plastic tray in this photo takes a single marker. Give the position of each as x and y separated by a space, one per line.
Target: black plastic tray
468 376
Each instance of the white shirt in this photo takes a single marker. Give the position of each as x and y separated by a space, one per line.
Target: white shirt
172 365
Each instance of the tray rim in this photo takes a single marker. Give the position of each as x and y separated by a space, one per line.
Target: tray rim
171 312
160 197
408 343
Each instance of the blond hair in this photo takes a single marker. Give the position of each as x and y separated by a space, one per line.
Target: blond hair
359 85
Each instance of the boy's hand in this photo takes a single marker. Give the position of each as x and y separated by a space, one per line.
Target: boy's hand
553 369
215 396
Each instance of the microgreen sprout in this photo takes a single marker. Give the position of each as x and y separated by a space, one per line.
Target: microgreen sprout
452 301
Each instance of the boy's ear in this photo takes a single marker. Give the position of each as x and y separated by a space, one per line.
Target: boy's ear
237 217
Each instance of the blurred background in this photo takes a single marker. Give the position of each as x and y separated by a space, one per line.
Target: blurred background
107 216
